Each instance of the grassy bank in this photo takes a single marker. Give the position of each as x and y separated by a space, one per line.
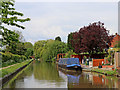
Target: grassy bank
11 69
15 77
106 72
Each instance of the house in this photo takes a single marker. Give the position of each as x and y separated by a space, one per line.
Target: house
115 40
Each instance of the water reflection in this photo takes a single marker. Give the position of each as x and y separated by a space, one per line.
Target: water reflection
38 75
47 75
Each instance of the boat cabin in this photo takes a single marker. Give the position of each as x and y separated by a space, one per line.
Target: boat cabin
69 61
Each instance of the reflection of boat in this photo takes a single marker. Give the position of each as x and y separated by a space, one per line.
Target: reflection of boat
70 64
73 78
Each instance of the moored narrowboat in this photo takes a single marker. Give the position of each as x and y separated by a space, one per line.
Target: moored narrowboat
70 64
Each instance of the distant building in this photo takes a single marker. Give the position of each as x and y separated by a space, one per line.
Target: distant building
115 40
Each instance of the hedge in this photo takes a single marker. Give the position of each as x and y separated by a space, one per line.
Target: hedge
9 58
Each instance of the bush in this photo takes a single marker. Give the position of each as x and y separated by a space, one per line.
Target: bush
69 53
6 56
9 58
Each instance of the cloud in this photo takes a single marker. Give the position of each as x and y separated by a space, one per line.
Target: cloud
41 28
49 20
67 0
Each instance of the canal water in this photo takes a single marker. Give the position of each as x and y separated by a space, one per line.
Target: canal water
47 75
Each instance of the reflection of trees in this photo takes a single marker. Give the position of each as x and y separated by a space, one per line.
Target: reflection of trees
88 80
26 72
46 71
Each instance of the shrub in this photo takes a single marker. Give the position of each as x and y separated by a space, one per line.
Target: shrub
69 53
9 58
6 56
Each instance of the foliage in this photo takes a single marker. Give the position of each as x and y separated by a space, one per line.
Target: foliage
29 52
29 49
28 45
21 37
58 38
11 69
111 52
92 38
47 50
70 38
9 58
10 17
12 40
69 53
52 48
38 46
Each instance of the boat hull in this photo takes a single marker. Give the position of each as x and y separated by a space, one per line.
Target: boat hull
70 69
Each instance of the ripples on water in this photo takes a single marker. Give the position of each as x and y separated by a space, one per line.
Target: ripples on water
47 75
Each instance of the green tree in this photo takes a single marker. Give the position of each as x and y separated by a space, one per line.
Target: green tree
69 41
47 50
21 37
52 48
29 52
9 17
38 46
29 49
69 53
58 38
28 45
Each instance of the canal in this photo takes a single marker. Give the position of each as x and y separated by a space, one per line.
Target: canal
47 75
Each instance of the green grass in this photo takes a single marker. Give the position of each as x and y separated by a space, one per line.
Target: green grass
105 71
11 69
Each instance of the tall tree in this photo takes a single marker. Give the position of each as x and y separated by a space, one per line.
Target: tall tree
58 38
38 46
9 17
28 45
21 37
29 49
93 38
69 41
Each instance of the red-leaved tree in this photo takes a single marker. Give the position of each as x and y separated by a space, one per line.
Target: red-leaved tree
92 39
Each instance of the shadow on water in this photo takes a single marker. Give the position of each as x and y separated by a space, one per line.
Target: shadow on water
47 75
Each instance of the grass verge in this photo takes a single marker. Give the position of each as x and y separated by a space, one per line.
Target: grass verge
11 69
15 77
106 72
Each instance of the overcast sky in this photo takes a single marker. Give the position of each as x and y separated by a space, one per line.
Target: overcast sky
51 19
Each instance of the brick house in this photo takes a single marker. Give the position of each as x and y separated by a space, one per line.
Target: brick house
115 40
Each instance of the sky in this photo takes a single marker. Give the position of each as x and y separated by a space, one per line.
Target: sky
52 19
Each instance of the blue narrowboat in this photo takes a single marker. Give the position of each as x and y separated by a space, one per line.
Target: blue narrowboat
70 64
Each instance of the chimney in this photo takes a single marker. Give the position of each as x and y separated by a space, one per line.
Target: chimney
116 34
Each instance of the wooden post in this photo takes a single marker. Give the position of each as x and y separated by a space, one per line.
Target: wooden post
117 59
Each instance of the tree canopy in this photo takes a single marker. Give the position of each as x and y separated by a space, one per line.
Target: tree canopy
92 39
70 38
47 50
58 38
9 17
11 39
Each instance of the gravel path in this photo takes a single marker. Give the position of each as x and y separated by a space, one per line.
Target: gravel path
7 66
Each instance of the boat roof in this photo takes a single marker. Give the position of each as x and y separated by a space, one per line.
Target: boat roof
69 61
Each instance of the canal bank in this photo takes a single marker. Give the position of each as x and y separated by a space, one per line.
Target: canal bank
47 75
102 71
14 72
